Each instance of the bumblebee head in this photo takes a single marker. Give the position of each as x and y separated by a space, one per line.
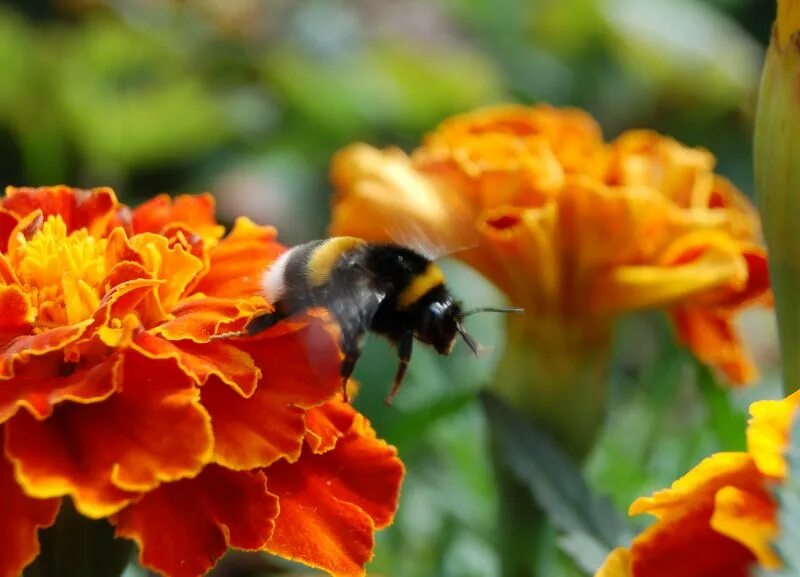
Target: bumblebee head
441 323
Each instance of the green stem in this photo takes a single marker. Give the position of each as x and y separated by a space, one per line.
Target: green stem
555 375
75 545
777 170
524 535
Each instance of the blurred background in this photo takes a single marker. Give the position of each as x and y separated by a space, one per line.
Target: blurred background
249 99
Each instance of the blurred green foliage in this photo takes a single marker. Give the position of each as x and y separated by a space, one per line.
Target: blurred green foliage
249 99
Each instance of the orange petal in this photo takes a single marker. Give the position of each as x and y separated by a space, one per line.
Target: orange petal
327 424
16 313
172 265
330 504
239 259
687 546
617 564
8 222
232 365
198 318
712 337
750 519
701 484
22 349
403 204
195 211
768 433
40 386
91 209
22 516
299 370
153 430
182 528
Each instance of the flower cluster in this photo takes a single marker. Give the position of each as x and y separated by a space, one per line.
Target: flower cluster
574 229
720 518
115 393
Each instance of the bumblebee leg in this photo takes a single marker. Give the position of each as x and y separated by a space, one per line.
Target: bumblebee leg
262 322
404 354
348 364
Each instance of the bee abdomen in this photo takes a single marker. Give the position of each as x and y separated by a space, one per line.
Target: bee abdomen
305 267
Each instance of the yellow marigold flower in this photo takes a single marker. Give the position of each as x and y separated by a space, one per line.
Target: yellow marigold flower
113 392
575 230
720 518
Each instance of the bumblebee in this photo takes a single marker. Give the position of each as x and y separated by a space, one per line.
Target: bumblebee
387 289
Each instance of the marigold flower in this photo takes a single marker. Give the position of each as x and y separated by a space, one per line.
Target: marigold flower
720 518
115 393
573 229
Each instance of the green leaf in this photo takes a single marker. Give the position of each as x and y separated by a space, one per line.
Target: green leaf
591 526
728 422
787 495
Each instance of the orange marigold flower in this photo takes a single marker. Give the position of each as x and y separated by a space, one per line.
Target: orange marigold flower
573 229
720 518
115 393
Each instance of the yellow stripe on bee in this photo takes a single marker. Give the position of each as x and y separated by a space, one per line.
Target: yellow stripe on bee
430 278
324 258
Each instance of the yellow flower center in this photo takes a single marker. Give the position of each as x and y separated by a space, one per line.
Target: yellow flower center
62 272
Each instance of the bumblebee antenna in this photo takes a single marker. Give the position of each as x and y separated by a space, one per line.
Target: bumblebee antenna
474 345
506 310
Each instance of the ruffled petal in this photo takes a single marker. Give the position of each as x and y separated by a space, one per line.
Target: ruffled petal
327 424
22 517
237 262
331 503
194 211
701 484
685 545
713 338
748 518
40 386
16 313
198 318
231 365
768 433
183 528
269 425
91 209
153 430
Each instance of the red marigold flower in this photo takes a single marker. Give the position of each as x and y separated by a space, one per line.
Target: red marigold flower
720 518
115 393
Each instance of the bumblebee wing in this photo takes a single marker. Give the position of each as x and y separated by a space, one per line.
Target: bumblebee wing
455 232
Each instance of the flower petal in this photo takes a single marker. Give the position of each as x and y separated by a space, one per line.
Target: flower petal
617 564
701 484
195 211
331 503
39 388
198 318
299 370
748 518
327 424
16 313
768 433
239 259
685 545
91 209
711 336
153 430
22 516
182 528
231 365
172 265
